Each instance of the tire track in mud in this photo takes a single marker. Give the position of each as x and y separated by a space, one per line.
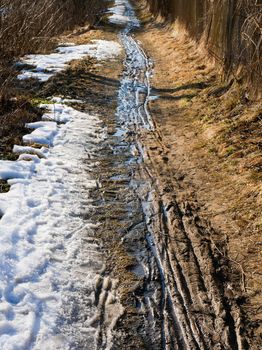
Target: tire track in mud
193 275
171 279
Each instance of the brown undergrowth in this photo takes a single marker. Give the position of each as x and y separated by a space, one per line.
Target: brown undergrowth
212 136
25 28
14 114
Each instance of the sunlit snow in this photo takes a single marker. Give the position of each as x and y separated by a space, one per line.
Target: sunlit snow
43 259
45 66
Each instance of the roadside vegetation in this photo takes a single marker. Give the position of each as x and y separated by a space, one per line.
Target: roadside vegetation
229 30
27 27
227 35
226 106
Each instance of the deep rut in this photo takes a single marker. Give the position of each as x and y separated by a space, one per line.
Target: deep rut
198 313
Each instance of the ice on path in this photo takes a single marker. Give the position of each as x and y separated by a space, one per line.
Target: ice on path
122 13
46 265
117 13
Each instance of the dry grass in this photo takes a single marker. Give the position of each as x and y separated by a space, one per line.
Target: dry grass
230 31
27 26
14 114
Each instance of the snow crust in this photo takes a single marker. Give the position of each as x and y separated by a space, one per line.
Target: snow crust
10 169
49 257
27 150
45 66
43 134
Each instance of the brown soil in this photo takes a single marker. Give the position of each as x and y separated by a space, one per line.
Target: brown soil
208 146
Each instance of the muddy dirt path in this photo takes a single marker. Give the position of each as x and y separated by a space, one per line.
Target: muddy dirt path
181 297
133 264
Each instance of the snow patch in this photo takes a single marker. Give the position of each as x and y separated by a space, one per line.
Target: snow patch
43 134
41 153
46 264
11 170
45 66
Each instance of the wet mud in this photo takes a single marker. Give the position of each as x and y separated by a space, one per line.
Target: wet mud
171 278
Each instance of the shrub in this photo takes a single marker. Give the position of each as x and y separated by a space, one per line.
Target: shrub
27 25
